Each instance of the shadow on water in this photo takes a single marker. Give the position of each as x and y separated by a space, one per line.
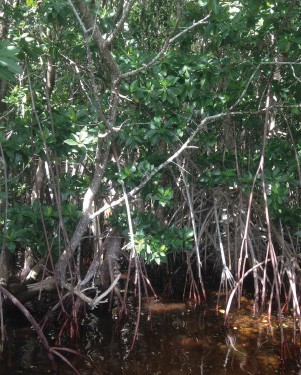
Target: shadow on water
177 339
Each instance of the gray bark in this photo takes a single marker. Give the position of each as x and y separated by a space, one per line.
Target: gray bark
101 157
40 176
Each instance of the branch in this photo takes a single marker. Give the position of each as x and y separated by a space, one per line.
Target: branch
255 71
119 25
4 166
101 47
35 325
226 273
166 44
96 300
185 145
170 159
283 24
190 28
192 217
76 68
101 43
294 74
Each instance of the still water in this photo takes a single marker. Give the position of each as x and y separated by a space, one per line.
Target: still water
175 339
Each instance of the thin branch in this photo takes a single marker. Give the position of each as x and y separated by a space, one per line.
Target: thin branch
76 68
226 273
91 68
283 24
3 281
294 147
192 216
93 302
101 43
166 44
119 25
6 203
294 74
18 175
133 192
64 359
6 114
201 22
35 325
238 284
132 240
255 71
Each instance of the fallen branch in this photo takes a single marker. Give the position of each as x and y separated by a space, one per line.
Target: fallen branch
92 302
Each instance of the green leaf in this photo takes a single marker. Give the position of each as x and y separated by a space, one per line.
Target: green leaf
70 208
10 65
254 5
9 51
72 115
58 7
213 6
71 142
5 73
11 246
133 86
172 80
48 211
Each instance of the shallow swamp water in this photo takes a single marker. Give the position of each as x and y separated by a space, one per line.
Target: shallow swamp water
177 339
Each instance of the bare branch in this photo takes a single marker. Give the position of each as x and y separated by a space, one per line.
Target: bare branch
93 302
166 44
35 325
81 81
255 71
190 28
294 74
283 24
101 43
3 162
119 25
170 159
192 216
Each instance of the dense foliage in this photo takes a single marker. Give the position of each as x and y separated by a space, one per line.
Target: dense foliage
176 123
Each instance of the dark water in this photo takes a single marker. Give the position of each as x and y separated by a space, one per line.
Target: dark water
178 339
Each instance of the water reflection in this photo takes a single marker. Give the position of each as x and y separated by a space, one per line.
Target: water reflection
179 340
185 341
